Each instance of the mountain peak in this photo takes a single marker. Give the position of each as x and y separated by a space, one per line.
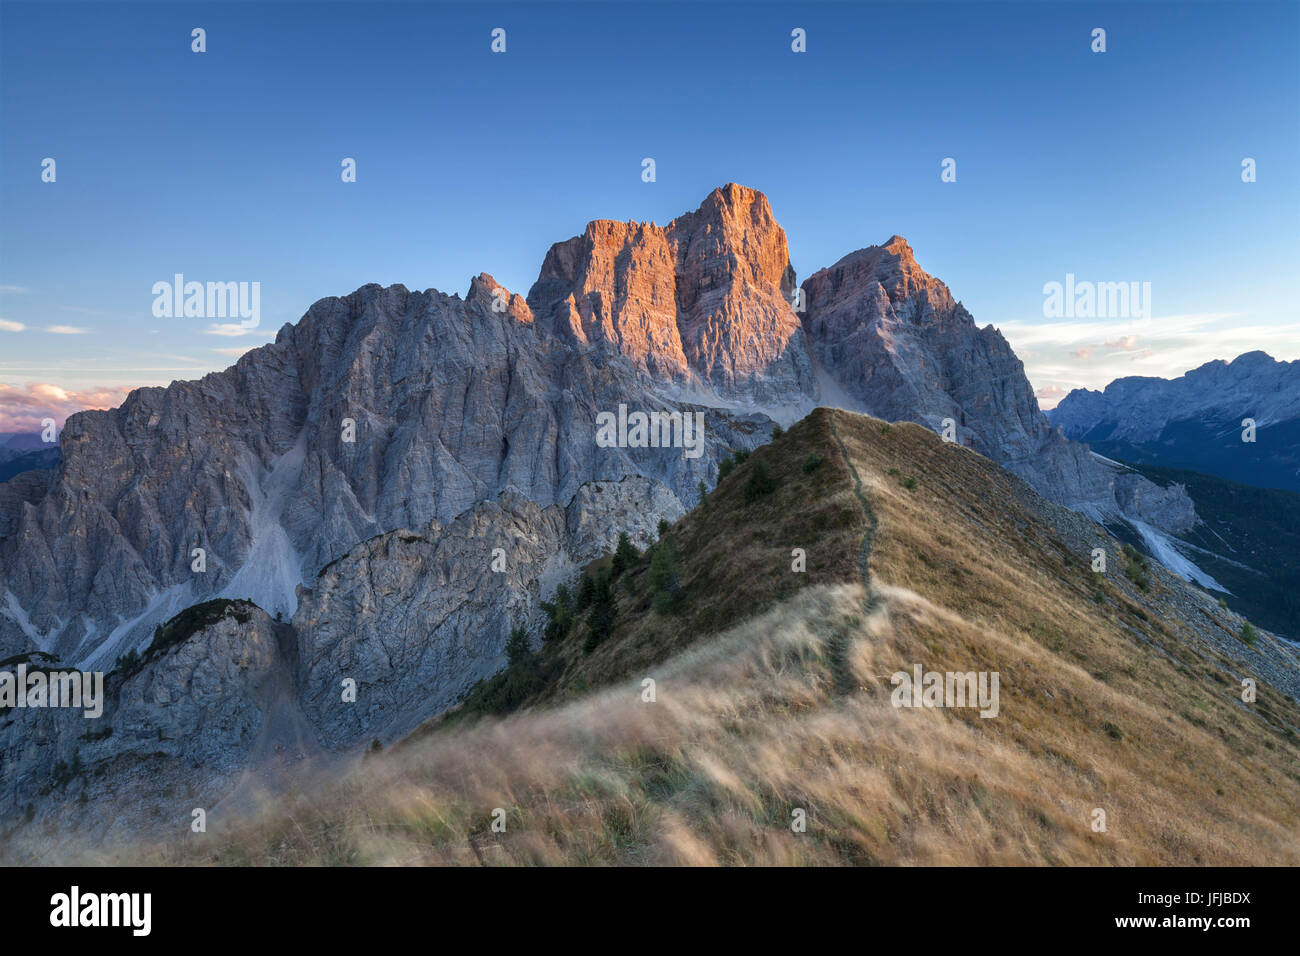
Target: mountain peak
734 195
702 300
1257 357
899 247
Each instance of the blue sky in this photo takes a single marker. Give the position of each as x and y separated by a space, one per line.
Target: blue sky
225 165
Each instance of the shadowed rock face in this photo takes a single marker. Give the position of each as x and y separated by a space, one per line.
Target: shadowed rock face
417 620
413 619
472 424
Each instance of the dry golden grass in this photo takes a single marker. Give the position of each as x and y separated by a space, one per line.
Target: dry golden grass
790 710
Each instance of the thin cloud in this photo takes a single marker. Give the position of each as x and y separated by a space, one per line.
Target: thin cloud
67 330
7 326
14 289
236 351
233 330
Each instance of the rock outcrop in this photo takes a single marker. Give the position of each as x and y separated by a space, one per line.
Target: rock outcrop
175 730
416 620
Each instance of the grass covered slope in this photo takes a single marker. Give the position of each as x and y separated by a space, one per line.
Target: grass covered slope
1118 692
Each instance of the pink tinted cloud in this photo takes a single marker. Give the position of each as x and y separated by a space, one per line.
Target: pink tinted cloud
23 409
1125 342
1049 395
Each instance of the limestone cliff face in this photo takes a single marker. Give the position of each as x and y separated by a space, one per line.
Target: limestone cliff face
705 300
393 409
416 620
413 619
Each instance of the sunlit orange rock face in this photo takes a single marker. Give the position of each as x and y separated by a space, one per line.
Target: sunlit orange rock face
703 300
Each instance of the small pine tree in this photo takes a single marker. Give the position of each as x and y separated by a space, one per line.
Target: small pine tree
662 602
665 588
704 492
664 527
517 649
760 482
586 591
559 615
1248 633
600 618
777 431
625 555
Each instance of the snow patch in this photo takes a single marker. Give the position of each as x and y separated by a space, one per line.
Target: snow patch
1110 461
1167 553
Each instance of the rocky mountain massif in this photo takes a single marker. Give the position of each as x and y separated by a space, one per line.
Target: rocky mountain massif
401 476
1195 422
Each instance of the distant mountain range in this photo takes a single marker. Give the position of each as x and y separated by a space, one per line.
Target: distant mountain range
23 451
1195 422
